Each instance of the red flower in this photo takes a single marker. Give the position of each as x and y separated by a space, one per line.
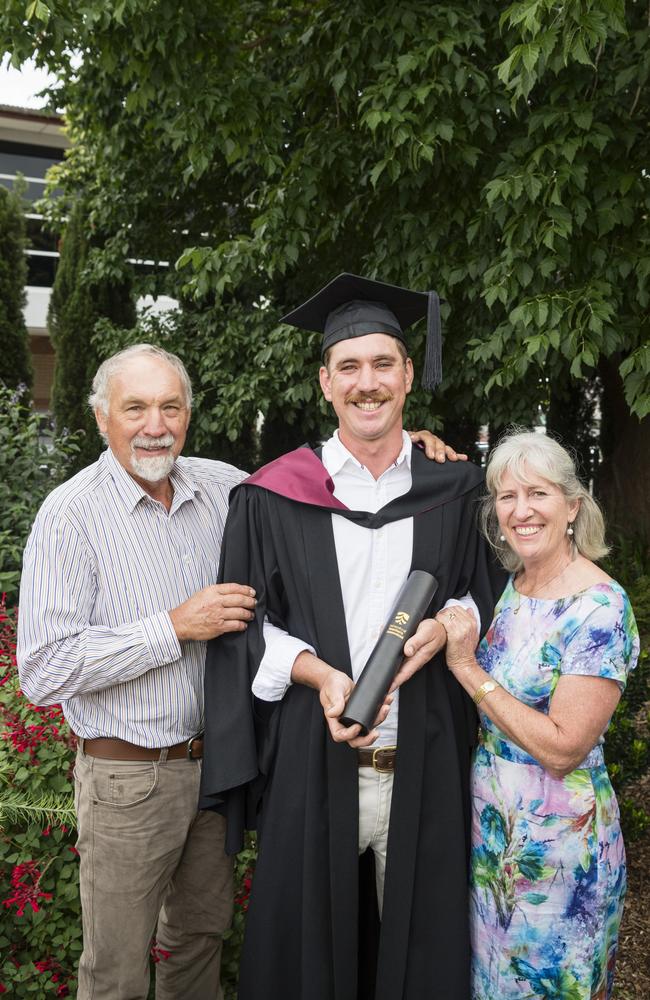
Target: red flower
243 897
25 879
159 954
51 965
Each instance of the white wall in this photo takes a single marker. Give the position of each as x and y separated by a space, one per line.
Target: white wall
38 300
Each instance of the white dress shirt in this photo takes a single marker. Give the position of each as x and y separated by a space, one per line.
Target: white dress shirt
373 565
104 565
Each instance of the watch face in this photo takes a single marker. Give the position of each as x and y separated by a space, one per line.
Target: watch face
486 688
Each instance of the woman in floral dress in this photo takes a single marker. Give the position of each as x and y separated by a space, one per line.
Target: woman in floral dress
548 862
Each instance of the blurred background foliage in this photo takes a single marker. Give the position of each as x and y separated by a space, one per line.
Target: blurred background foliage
495 153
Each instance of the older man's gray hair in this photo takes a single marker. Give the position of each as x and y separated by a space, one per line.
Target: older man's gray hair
98 398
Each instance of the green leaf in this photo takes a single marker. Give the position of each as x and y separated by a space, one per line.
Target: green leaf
406 63
583 119
576 367
625 77
532 345
508 66
530 54
376 172
579 52
372 119
338 80
39 10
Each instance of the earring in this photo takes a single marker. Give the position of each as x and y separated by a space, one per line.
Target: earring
502 538
569 530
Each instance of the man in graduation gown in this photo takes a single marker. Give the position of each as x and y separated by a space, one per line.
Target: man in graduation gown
327 538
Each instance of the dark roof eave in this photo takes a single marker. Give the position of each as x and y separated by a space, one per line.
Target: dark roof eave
29 114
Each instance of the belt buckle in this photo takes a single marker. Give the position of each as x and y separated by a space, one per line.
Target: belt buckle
190 754
375 758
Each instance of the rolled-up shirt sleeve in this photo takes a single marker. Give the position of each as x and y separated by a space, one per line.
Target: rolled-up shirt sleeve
467 602
60 653
274 673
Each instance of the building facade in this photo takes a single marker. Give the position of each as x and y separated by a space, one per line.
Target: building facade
31 142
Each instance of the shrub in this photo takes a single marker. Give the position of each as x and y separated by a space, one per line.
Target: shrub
40 939
233 939
75 307
32 462
627 745
15 359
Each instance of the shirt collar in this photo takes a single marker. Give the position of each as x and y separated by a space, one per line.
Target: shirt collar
185 488
336 455
131 493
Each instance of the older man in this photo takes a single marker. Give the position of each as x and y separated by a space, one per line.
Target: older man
117 601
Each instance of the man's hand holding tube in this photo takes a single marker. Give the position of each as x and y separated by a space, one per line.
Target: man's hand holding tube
334 688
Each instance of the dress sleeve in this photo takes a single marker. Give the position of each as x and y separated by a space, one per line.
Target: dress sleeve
605 642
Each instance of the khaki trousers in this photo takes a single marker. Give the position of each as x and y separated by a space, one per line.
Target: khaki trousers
150 865
375 797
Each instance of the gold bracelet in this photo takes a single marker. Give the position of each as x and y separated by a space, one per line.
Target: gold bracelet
486 688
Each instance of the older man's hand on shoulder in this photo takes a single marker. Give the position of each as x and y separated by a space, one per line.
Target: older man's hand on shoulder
213 611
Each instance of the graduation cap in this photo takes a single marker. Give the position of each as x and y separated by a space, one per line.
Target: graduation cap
352 306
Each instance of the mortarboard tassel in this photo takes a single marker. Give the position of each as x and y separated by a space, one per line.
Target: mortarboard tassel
432 372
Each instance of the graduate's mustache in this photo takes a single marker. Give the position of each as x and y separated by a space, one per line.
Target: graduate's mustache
369 397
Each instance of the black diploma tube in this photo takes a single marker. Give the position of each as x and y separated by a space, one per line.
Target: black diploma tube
377 676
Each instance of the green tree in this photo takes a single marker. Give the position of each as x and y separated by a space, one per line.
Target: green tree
33 460
498 155
568 284
212 433
78 301
15 359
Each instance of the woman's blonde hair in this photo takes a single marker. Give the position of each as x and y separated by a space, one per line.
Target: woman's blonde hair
523 453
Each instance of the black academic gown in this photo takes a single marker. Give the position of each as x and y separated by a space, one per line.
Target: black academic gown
276 765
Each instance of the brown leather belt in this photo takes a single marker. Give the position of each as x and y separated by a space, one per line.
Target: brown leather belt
114 749
381 758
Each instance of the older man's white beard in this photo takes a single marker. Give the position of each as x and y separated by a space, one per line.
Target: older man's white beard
152 470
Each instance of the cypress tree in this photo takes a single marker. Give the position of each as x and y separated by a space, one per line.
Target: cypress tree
77 303
15 359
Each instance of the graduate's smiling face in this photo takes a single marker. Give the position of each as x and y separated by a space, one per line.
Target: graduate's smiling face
367 380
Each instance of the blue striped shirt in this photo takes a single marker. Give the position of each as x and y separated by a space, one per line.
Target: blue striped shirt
103 566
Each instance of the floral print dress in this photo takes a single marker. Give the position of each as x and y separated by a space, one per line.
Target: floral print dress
548 862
